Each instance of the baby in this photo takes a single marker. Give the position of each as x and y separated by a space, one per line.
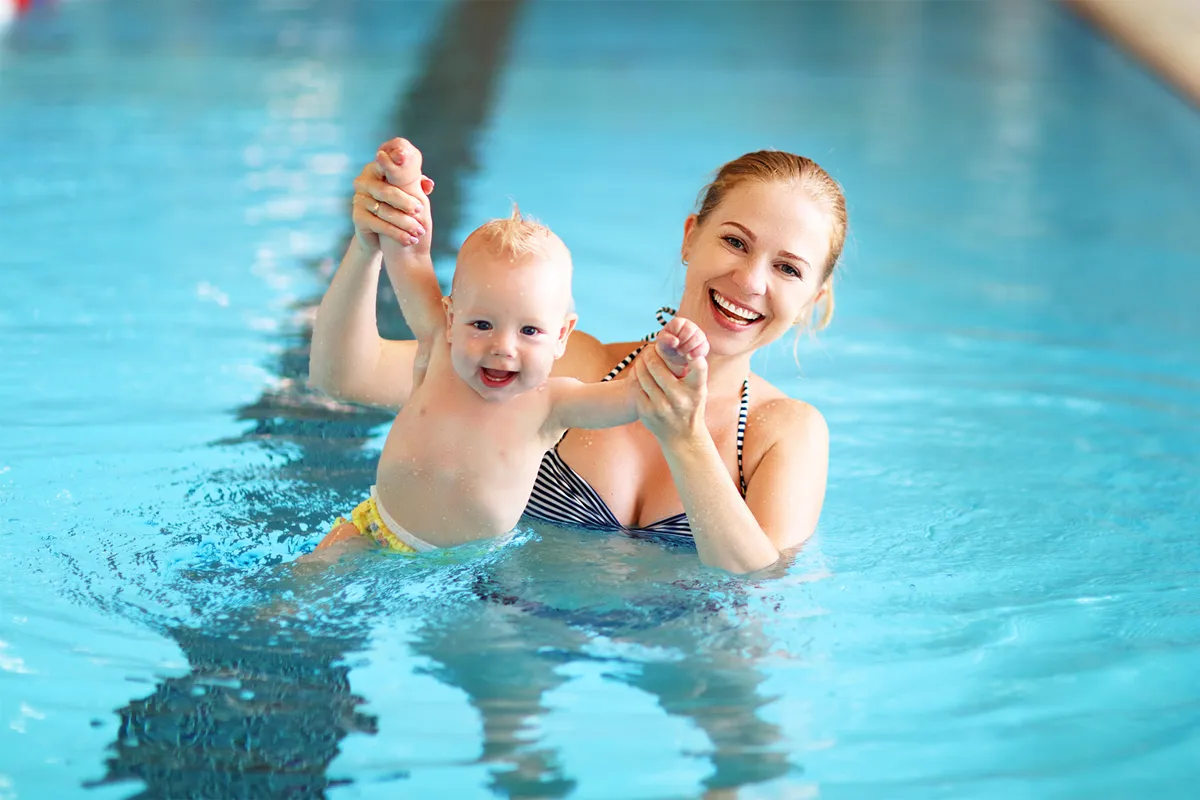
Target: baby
460 460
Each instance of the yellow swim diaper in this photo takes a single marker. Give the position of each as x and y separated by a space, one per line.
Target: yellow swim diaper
376 524
366 518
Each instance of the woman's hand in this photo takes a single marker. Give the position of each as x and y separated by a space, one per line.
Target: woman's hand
381 209
671 408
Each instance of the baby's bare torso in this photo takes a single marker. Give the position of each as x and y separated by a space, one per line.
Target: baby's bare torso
456 467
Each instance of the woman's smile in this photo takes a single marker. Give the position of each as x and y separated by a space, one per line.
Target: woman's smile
731 314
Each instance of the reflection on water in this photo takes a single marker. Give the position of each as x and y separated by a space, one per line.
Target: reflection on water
255 717
271 695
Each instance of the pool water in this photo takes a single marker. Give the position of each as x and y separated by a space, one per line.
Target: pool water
1001 600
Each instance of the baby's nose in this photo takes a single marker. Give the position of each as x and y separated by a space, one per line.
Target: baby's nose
503 346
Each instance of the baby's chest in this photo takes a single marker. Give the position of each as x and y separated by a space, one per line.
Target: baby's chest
467 441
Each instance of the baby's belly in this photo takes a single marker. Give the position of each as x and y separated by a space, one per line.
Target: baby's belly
451 501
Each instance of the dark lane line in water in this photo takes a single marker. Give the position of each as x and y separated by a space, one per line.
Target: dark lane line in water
443 112
262 713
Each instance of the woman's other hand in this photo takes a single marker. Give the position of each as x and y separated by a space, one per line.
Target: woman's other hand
671 408
381 209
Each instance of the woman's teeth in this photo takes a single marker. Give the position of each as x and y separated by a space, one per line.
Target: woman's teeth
732 310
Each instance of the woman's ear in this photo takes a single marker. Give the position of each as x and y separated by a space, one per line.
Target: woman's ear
824 293
826 288
689 226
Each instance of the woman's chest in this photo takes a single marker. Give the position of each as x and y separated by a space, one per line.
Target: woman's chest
626 468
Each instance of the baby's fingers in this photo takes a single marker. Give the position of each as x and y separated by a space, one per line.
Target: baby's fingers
667 341
689 336
675 326
401 169
396 149
695 345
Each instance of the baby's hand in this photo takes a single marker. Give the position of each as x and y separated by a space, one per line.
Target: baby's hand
401 162
679 343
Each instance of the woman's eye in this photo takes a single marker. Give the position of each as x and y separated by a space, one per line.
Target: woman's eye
529 330
790 271
481 325
733 241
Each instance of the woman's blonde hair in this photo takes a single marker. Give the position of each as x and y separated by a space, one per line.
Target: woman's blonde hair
769 166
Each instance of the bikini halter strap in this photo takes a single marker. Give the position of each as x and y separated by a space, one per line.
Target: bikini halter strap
743 410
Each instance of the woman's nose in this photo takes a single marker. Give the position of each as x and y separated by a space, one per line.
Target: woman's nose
751 278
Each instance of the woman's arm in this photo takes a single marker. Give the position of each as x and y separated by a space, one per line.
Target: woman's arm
349 360
785 494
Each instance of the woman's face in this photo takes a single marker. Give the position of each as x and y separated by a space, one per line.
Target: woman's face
755 266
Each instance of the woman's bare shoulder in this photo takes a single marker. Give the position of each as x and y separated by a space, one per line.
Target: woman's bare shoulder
774 416
588 359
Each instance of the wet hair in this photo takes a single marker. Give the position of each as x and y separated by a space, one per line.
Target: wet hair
514 237
768 166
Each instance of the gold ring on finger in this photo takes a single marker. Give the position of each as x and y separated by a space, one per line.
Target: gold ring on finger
375 208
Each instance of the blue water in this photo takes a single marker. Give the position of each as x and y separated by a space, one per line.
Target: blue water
1001 600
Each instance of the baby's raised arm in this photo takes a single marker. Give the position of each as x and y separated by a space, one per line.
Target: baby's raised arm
408 264
607 404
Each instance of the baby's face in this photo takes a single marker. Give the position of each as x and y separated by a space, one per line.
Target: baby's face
507 323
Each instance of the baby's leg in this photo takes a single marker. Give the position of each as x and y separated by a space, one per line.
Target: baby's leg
344 538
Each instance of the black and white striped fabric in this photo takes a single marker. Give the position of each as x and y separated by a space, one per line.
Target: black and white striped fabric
561 497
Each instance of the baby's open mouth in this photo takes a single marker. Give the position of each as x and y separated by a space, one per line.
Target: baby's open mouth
495 378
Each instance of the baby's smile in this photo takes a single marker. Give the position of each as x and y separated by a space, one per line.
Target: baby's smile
496 378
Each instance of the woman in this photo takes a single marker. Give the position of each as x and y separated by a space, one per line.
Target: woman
720 457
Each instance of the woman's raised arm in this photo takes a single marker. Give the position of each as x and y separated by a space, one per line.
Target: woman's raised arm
349 360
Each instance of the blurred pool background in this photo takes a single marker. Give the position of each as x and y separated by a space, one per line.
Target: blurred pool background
1001 599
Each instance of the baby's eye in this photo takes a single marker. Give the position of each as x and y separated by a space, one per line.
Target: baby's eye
481 325
529 330
734 241
790 271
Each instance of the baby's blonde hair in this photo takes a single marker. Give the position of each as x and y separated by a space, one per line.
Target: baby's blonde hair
514 237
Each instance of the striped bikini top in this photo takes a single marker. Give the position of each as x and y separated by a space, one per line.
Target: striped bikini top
562 497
